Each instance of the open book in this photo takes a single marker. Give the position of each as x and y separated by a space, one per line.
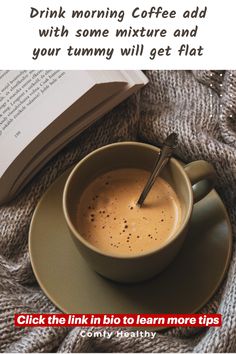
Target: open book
41 111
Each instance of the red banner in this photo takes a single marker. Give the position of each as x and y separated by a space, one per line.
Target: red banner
118 320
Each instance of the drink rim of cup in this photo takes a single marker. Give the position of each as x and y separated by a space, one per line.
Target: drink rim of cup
77 234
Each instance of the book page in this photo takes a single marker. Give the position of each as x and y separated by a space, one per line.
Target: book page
30 101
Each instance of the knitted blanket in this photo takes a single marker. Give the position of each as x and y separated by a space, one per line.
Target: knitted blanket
201 107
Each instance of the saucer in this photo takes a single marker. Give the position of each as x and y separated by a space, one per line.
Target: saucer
184 287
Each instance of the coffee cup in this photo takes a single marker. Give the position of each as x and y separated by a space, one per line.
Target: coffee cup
190 183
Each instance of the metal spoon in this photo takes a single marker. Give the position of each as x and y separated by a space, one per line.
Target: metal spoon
164 156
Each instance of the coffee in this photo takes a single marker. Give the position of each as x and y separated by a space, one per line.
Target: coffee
108 218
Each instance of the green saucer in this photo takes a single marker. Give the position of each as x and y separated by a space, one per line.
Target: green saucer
184 287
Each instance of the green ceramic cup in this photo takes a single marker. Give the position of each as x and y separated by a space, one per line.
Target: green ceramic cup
191 183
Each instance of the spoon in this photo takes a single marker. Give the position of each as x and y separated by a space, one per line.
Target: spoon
169 144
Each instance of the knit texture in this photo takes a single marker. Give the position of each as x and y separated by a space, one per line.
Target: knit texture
200 106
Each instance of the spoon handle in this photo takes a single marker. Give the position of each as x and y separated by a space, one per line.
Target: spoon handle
168 146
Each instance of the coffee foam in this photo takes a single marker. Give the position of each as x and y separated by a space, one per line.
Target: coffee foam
109 219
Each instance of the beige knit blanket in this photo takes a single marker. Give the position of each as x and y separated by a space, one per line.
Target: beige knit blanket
201 107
